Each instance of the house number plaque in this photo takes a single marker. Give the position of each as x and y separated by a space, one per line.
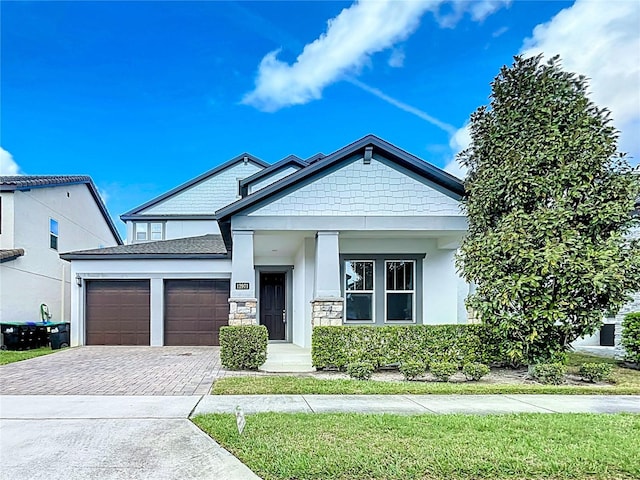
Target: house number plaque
242 285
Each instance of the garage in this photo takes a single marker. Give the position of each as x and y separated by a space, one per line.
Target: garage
194 311
117 312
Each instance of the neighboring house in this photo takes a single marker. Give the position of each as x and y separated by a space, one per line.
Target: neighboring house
363 236
41 216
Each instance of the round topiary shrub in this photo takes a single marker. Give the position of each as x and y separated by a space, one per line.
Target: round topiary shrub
412 369
631 337
443 370
475 371
360 370
548 373
594 372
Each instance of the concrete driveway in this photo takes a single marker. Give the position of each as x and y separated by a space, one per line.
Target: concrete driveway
102 370
109 438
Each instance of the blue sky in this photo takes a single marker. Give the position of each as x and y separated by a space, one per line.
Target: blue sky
143 96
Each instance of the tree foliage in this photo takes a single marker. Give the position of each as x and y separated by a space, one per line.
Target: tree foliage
549 202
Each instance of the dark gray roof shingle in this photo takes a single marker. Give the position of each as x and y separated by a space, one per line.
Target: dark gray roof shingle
10 254
195 247
22 181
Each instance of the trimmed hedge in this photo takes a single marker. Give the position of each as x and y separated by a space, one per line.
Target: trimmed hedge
243 347
631 337
338 346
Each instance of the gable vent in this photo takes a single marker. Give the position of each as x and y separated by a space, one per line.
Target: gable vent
368 153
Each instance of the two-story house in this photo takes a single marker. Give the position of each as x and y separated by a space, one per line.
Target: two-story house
41 216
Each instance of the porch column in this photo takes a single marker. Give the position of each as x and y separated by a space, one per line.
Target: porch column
327 304
242 304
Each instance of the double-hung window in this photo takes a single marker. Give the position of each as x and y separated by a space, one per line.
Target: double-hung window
400 291
359 290
145 231
53 234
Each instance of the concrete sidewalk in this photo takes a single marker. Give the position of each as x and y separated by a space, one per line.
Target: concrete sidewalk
108 437
421 404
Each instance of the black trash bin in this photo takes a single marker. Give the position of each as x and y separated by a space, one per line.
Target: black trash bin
59 336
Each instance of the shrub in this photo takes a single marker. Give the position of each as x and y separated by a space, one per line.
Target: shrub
631 337
360 370
243 347
548 373
412 369
475 371
594 372
337 346
443 370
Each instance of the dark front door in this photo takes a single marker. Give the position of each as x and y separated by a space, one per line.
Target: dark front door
273 304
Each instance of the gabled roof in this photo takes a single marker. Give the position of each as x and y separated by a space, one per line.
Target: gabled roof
432 173
205 246
291 160
315 158
10 254
214 171
29 182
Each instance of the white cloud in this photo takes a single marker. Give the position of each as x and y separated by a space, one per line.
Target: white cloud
478 9
357 32
396 59
8 165
103 194
600 39
365 28
460 140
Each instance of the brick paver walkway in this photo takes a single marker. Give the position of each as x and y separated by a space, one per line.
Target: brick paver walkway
115 371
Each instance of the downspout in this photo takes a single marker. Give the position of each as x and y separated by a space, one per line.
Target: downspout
62 295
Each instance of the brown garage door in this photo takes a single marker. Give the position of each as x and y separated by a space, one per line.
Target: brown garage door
117 312
194 311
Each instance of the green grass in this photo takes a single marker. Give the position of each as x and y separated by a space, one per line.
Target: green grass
355 446
10 356
625 381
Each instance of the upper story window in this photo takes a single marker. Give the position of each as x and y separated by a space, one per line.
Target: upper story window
53 234
359 290
148 231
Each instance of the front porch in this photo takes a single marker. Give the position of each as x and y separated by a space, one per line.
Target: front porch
287 358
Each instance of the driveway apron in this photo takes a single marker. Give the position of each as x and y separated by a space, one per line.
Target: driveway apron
101 370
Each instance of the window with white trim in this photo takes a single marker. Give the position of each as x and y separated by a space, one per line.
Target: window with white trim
53 234
400 291
148 231
359 290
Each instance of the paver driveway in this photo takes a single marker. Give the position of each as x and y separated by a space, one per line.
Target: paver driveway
115 371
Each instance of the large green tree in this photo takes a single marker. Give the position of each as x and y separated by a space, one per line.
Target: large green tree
550 203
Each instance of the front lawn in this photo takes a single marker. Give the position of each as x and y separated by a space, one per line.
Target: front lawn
624 381
10 356
356 446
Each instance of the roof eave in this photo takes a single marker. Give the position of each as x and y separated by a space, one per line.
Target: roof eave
148 256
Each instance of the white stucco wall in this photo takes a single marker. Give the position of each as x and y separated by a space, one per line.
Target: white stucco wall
154 270
268 180
40 276
207 196
443 291
8 220
380 188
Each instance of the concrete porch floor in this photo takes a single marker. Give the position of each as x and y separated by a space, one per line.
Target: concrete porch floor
287 357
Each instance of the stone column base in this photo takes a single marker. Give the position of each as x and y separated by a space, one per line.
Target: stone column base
242 311
327 311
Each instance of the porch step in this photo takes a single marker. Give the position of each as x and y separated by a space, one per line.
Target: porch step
287 358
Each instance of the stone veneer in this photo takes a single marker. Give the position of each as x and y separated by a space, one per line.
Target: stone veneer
326 311
242 311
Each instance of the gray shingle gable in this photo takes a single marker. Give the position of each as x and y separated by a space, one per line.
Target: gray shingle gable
134 213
